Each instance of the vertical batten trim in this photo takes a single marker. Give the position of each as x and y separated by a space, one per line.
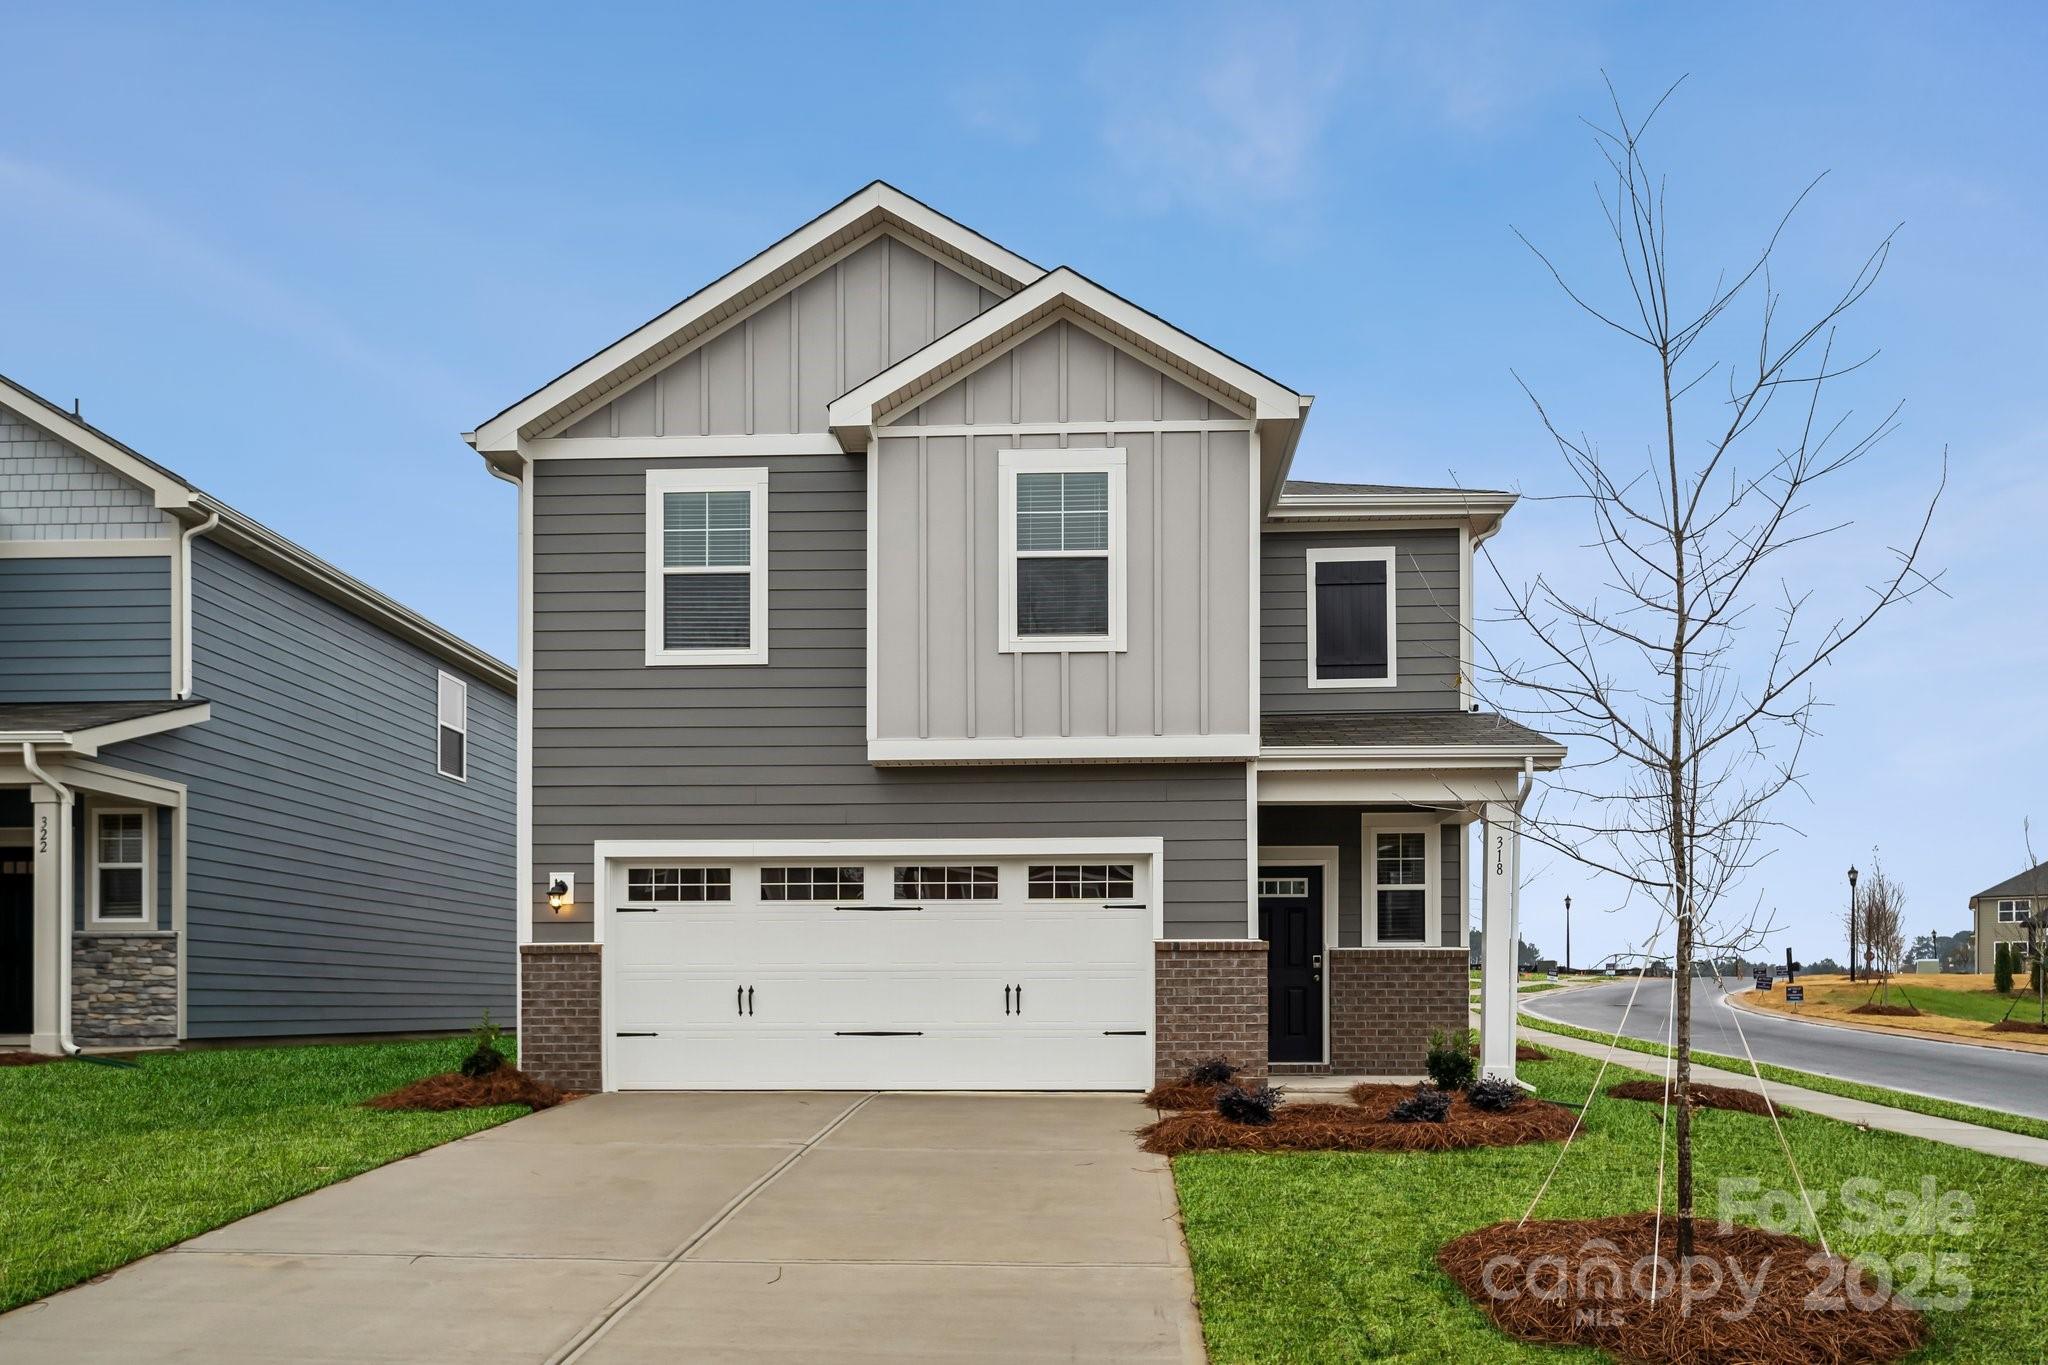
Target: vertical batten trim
1254 582
870 556
1064 333
888 289
839 327
661 402
747 386
973 567
1066 694
796 371
1202 585
1109 383
1158 445
703 391
924 588
1017 696
1016 386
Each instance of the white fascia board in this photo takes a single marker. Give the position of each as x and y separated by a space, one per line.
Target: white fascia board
1111 749
1327 507
853 415
501 433
1285 757
1451 794
611 850
168 493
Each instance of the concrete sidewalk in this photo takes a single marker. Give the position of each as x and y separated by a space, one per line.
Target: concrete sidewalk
776 1227
1992 1141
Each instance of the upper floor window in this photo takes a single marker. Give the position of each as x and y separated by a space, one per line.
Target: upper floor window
120 887
707 582
1351 618
1062 550
452 728
2012 912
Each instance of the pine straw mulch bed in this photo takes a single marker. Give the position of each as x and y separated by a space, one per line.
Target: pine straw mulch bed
1703 1096
1901 1011
26 1058
1362 1126
453 1090
2018 1026
1185 1094
1577 1283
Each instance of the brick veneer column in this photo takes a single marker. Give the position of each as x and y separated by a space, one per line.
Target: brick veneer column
1211 1003
1385 1001
561 1016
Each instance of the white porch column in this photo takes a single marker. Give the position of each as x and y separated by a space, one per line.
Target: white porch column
1501 854
50 843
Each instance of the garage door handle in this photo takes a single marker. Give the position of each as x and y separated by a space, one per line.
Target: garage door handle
1006 1000
739 996
1020 999
750 1002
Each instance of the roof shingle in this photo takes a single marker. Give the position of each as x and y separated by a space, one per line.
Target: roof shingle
1386 729
69 717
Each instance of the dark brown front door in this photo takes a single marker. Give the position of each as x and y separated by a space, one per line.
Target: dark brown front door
1291 922
17 940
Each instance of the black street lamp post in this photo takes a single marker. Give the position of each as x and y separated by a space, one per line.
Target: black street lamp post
1567 934
1852 922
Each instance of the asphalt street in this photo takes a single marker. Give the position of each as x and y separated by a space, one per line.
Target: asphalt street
1991 1078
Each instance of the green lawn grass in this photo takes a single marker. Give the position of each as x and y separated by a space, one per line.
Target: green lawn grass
100 1165
1983 1006
1330 1256
1827 1085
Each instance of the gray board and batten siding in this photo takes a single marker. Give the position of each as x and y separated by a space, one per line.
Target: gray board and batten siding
89 629
775 370
1426 631
779 751
1186 533
336 883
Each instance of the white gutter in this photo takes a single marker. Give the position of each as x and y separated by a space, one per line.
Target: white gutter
65 798
183 689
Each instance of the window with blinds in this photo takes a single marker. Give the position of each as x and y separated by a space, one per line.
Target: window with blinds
1063 572
705 594
1350 614
1400 869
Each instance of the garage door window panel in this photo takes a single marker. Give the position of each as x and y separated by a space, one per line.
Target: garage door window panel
1082 881
812 883
678 885
947 882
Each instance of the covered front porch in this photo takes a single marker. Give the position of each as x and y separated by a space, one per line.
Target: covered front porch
92 879
1368 827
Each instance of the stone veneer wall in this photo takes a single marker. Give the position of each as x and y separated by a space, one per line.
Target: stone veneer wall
561 1016
1211 1003
124 990
1385 1001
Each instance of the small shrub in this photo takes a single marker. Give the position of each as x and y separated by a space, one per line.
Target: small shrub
484 1056
2001 970
1424 1106
1214 1071
1449 1063
1252 1105
1493 1094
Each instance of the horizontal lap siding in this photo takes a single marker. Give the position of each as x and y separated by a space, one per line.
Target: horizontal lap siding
85 629
338 883
1340 827
624 751
1425 623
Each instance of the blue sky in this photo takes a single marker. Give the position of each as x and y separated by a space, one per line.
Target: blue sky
292 252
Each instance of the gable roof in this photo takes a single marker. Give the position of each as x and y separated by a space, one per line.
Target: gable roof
2032 882
1306 501
1277 409
875 205
83 727
257 542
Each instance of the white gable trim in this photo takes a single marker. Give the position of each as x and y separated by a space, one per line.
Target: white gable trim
737 291
853 415
169 493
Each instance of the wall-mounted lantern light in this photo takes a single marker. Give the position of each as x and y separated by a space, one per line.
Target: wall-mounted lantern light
561 892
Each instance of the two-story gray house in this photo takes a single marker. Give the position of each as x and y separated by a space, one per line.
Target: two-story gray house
242 794
935 680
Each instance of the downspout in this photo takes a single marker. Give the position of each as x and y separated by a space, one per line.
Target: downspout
65 799
183 689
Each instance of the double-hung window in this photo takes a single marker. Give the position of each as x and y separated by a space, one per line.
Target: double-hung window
1062 550
2013 912
707 580
120 889
1401 884
1350 617
451 754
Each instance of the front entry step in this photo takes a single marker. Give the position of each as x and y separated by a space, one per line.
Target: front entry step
1298 1068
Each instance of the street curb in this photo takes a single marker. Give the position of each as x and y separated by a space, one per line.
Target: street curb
1731 999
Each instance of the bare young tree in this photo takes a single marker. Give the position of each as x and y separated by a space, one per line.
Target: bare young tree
1689 672
1884 926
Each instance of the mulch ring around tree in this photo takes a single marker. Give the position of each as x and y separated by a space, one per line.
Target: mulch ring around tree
1746 1295
1903 1011
2018 1026
1362 1126
453 1090
1703 1096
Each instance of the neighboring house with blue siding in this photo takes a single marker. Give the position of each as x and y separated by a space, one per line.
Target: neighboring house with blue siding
242 794
933 679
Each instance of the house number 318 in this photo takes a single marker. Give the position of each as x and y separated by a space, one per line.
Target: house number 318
1500 851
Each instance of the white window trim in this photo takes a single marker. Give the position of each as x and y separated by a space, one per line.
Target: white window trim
441 682
2018 906
146 922
751 481
1353 555
1369 876
1109 461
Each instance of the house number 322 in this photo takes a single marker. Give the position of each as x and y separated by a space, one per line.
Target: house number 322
43 834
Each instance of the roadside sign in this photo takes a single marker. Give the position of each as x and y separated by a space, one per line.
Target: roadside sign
1763 979
1795 995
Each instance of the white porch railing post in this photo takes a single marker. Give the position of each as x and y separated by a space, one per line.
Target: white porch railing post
1500 856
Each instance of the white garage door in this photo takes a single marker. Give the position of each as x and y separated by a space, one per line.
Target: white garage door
918 972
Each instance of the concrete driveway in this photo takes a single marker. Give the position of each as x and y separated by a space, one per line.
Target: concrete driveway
661 1227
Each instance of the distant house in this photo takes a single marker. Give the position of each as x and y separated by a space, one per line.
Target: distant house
242 794
1999 913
